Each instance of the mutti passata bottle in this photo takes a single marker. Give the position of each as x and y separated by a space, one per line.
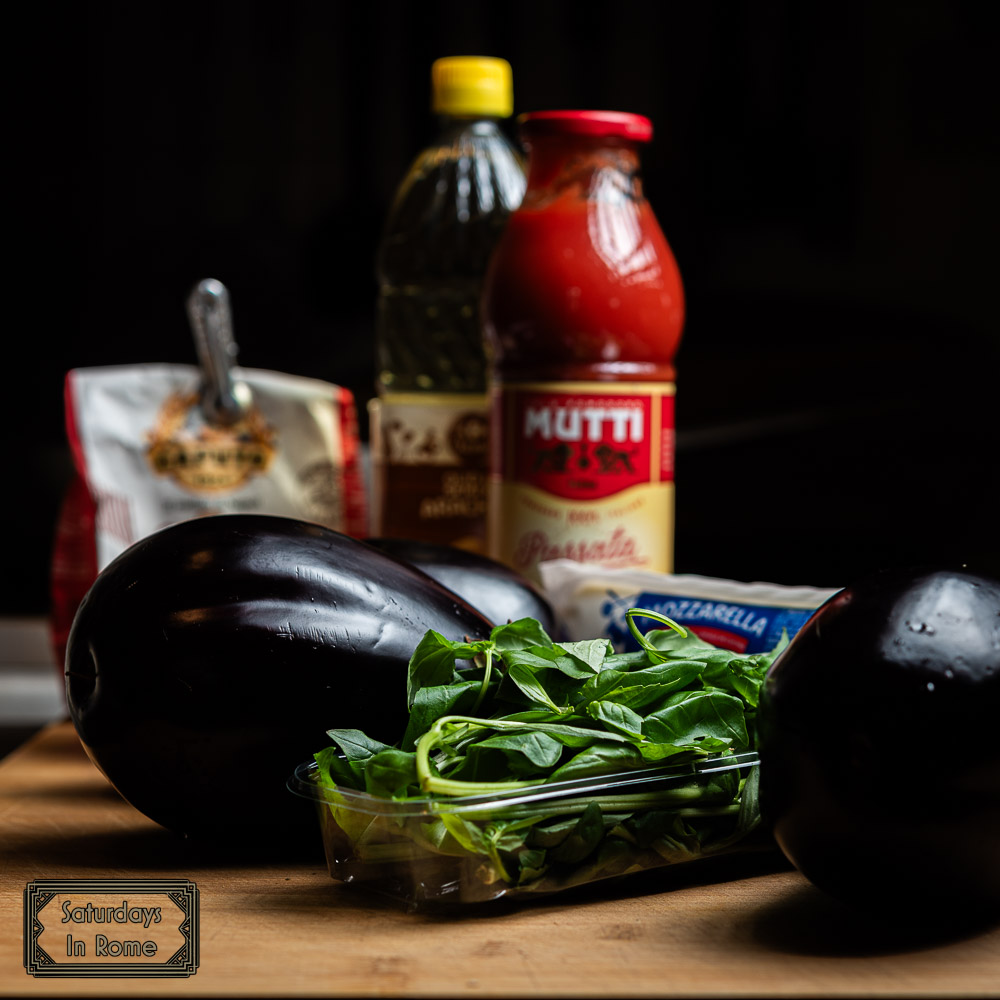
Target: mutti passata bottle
583 311
429 433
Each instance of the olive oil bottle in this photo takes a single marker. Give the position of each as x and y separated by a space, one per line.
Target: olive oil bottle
429 422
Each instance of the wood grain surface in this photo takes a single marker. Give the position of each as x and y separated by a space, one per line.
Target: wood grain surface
282 927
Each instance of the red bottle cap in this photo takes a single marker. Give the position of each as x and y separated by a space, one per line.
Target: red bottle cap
608 124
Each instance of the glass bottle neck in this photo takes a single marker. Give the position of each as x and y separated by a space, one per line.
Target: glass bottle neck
485 123
597 168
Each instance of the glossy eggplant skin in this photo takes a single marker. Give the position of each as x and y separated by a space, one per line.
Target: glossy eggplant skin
499 592
210 658
880 745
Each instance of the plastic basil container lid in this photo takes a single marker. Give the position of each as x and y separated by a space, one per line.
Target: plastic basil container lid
305 782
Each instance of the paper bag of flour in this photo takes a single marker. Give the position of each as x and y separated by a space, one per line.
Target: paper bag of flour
154 444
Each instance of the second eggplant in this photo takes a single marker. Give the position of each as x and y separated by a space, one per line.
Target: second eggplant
500 593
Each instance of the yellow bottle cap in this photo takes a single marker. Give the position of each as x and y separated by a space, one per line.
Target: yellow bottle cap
472 85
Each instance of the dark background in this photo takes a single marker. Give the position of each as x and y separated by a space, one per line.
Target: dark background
822 171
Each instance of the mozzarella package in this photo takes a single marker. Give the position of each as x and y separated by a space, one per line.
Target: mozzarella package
591 601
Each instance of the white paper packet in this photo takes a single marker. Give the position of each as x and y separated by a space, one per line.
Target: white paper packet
591 601
149 459
146 457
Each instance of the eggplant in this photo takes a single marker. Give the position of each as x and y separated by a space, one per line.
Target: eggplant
210 658
880 757
499 592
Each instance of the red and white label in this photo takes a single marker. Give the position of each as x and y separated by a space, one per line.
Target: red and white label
583 471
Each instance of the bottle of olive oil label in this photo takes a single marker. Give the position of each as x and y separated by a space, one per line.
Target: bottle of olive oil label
429 457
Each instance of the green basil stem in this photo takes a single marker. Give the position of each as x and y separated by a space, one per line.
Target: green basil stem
493 853
435 736
445 786
641 639
487 670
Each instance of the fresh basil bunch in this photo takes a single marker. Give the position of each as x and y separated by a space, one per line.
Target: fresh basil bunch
528 711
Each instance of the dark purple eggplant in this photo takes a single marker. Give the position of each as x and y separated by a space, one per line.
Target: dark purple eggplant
500 593
210 658
880 757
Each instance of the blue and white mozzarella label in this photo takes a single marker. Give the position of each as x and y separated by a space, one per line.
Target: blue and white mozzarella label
592 600
745 628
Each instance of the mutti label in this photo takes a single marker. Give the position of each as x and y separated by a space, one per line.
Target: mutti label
582 471
587 445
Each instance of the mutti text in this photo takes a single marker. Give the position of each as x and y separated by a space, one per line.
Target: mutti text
584 423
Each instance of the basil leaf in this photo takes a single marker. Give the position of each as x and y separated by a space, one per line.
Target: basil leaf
550 834
586 834
430 703
746 678
390 774
654 753
672 645
539 749
525 754
592 653
334 769
689 716
598 759
597 688
355 745
440 839
569 730
532 866
433 661
470 836
632 660
639 689
528 683
522 634
665 825
617 718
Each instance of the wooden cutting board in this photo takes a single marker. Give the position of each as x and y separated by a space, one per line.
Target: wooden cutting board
746 927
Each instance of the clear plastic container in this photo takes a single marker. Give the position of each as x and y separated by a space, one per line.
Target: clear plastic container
537 840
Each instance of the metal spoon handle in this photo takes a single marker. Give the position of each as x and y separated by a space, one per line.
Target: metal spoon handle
212 323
